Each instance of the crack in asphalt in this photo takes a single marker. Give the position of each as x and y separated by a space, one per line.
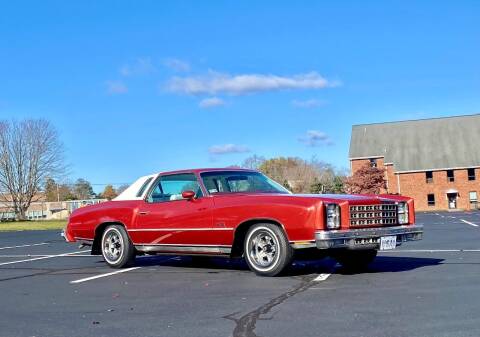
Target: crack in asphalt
246 324
44 272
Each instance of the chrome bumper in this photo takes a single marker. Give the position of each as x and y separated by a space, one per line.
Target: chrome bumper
366 238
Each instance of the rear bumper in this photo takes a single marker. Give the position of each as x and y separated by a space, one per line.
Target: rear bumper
67 236
368 238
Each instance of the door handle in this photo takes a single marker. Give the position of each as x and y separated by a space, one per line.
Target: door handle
143 212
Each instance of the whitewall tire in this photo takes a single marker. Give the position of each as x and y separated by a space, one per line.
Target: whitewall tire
117 249
267 250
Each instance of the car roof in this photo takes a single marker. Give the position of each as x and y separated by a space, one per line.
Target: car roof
201 170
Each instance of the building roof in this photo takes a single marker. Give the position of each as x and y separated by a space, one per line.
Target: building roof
420 145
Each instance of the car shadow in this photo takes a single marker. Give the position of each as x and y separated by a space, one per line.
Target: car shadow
382 264
394 264
212 264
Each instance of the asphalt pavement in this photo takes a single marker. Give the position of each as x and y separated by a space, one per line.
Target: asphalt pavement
426 288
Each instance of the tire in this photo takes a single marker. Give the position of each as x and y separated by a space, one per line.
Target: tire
355 260
117 249
267 250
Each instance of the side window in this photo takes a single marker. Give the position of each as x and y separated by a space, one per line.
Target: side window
170 187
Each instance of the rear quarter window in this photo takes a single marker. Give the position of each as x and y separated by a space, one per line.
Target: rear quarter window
144 187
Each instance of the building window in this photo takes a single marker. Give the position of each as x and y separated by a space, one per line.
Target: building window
471 174
473 200
373 162
450 175
431 199
429 176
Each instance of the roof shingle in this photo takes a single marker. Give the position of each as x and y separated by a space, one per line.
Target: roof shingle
419 145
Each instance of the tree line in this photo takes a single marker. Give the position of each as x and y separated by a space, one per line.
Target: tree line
32 163
80 190
318 177
299 175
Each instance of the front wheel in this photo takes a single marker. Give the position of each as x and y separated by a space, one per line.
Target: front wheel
355 260
117 249
267 250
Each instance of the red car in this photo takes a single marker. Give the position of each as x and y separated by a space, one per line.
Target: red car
240 213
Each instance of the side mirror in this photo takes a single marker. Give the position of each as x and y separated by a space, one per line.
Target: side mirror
189 195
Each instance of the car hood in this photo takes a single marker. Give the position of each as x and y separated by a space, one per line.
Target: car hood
350 198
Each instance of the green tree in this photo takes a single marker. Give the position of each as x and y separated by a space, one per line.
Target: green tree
51 190
66 193
58 192
82 189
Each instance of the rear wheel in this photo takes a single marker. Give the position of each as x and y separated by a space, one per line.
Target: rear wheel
355 260
117 249
267 250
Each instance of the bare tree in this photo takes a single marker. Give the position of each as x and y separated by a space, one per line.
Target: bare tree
253 162
30 152
302 176
121 188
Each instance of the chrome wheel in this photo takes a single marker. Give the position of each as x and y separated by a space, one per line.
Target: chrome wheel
113 245
263 249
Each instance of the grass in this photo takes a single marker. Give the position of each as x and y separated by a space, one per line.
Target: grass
32 225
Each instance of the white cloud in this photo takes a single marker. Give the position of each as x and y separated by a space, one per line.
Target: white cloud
316 138
309 103
177 65
141 66
116 87
227 149
211 102
215 82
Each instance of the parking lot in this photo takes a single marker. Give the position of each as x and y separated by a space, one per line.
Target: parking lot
425 288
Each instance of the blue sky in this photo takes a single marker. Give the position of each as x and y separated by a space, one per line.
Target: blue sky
136 87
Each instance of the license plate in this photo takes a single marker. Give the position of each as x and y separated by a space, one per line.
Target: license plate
388 242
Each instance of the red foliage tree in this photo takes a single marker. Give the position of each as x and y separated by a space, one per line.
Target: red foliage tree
366 180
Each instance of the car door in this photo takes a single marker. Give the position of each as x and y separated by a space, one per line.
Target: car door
166 219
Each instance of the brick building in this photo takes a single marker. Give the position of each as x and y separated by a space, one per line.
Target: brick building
435 161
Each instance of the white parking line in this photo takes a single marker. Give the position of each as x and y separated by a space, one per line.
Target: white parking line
321 277
41 258
103 275
45 255
21 246
469 223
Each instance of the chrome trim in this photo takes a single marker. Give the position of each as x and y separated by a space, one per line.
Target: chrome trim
365 237
84 241
173 248
385 213
303 244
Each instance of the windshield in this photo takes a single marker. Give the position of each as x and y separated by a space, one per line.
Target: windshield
240 181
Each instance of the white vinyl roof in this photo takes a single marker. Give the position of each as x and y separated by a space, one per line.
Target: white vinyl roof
131 193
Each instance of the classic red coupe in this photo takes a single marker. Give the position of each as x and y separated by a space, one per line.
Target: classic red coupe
240 213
